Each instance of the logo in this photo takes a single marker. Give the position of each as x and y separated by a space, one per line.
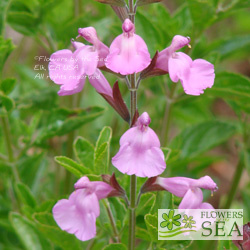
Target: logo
200 224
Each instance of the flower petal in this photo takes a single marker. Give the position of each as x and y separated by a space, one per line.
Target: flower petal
179 42
72 88
99 188
128 55
140 152
179 66
206 205
143 163
100 83
162 59
77 219
63 68
206 182
201 76
175 185
192 199
87 59
90 35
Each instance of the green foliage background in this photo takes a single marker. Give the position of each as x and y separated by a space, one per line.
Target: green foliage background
208 134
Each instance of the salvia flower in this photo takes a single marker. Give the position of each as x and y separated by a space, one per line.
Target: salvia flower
128 52
77 215
70 69
90 35
195 76
140 152
189 189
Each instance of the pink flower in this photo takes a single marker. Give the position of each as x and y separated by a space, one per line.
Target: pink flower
140 152
189 189
70 69
90 35
195 76
128 52
78 214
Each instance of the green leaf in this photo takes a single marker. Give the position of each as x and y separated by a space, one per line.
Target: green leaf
147 201
148 31
7 85
118 209
6 47
120 3
72 166
142 234
145 2
104 136
227 47
23 17
27 233
203 13
176 244
201 137
224 244
166 152
63 121
152 226
41 99
101 159
48 227
164 200
233 87
3 8
25 196
84 152
31 170
115 246
6 104
102 151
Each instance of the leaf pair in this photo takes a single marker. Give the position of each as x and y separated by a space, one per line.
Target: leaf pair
92 161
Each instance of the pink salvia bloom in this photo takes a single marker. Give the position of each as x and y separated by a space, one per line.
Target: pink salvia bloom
70 69
78 214
140 152
90 35
128 52
189 189
195 76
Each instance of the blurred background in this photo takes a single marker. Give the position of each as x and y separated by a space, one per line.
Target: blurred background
204 135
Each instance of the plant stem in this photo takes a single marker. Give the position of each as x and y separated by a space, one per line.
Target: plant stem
6 130
235 183
132 219
133 107
70 140
132 214
167 116
131 11
243 161
112 220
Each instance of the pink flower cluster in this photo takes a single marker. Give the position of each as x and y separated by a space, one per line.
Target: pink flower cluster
127 54
140 153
